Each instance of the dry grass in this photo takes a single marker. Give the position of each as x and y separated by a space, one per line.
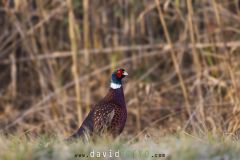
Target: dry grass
181 147
182 56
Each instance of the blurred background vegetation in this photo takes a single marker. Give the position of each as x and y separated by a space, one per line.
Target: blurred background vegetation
56 57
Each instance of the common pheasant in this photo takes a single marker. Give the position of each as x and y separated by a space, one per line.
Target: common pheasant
109 114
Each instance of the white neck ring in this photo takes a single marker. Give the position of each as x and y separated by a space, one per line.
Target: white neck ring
115 86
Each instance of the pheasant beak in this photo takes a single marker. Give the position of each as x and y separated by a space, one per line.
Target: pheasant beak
125 73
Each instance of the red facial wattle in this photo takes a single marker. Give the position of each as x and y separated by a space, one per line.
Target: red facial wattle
119 73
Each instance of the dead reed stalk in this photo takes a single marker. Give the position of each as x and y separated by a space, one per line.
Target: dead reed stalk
198 68
174 58
74 51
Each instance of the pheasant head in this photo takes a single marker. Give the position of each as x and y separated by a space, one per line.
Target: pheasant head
117 76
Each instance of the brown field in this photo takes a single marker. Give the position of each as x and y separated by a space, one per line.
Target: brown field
183 60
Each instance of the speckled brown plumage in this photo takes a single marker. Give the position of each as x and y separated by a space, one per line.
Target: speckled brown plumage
107 116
